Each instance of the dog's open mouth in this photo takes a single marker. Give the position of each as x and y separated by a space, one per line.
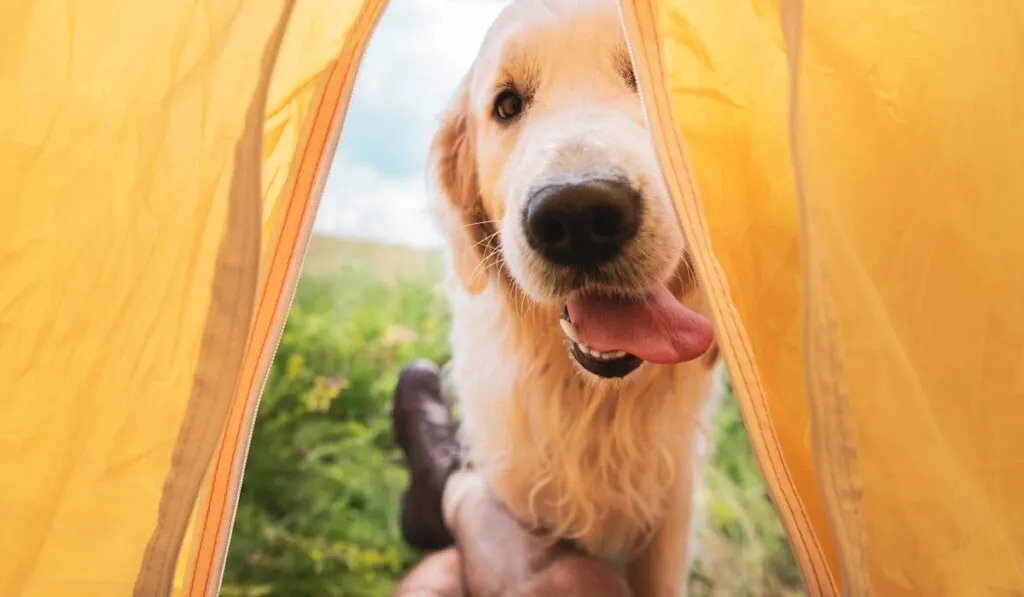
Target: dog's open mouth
612 336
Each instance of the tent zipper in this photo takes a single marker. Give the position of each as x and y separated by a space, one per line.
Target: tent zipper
373 11
808 552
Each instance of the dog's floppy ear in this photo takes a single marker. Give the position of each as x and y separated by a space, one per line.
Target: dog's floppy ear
461 213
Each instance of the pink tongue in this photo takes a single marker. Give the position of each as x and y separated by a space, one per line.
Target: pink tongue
658 329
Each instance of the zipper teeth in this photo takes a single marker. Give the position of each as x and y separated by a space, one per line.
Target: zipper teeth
626 30
379 10
252 424
813 555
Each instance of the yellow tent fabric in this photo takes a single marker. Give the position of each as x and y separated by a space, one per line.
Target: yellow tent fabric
160 165
857 167
849 168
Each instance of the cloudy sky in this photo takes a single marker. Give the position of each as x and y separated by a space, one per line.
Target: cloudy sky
377 185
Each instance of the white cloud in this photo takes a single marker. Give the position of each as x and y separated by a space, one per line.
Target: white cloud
377 187
364 204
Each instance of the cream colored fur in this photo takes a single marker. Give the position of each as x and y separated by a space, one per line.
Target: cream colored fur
610 463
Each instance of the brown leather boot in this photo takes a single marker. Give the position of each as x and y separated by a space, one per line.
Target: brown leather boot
422 422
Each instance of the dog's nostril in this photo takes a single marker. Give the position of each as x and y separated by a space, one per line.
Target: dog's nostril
551 231
582 224
606 222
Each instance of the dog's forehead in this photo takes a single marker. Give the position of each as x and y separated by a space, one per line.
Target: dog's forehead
546 33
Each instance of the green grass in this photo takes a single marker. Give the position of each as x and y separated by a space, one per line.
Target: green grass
390 263
318 510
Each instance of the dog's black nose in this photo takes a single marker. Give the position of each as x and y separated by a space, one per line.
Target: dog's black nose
582 224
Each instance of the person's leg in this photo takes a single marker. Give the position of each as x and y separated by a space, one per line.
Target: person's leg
424 431
421 420
495 555
500 557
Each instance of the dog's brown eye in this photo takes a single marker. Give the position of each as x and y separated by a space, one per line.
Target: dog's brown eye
507 105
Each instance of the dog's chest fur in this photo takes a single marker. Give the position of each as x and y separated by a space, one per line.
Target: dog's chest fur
594 461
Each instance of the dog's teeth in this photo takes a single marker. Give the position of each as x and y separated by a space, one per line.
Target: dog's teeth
569 330
592 353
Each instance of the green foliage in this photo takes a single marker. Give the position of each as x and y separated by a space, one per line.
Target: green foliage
745 549
318 514
319 504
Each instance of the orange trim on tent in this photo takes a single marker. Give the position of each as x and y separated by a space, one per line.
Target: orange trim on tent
282 275
815 560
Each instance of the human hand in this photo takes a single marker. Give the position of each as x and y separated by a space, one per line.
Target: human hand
500 557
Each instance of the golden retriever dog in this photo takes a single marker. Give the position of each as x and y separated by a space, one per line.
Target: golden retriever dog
583 355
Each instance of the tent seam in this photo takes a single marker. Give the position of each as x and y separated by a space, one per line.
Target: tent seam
779 469
359 34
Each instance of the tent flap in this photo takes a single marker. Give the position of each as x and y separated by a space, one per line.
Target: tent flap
852 171
129 247
847 175
908 147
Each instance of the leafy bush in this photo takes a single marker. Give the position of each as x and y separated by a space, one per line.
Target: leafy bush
318 510
745 549
317 514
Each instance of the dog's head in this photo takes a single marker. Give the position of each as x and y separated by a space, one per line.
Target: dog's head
550 180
